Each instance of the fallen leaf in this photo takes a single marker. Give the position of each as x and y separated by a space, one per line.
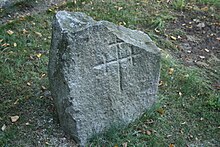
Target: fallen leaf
43 75
191 136
157 31
168 136
171 70
24 31
50 10
171 145
183 123
189 51
196 20
120 8
181 131
125 144
172 37
122 23
201 119
39 55
3 127
180 94
28 83
201 25
43 88
116 145
206 50
5 45
27 123
1 40
15 44
14 118
161 83
21 18
161 111
218 38
16 102
38 34
33 23
202 57
148 132
151 121
205 8
10 32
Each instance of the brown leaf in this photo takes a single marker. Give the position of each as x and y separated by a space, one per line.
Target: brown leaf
171 70
161 111
21 18
14 118
161 83
5 45
38 34
39 55
10 32
173 38
24 31
205 8
148 132
171 145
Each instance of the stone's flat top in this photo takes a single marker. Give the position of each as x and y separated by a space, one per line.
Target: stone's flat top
76 21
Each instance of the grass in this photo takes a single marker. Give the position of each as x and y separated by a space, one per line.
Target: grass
188 107
179 4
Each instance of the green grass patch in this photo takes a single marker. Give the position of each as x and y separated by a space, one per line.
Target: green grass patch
210 2
179 4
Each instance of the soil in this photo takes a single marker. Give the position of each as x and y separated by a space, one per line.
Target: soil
28 8
198 41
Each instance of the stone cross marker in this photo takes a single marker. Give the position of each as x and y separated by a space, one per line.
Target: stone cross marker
100 74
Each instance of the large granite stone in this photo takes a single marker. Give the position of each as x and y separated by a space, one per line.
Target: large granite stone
100 74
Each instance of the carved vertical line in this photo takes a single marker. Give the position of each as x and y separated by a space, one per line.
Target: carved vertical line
131 54
119 69
105 63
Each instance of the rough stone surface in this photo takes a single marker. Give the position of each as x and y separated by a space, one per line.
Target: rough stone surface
100 74
7 3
